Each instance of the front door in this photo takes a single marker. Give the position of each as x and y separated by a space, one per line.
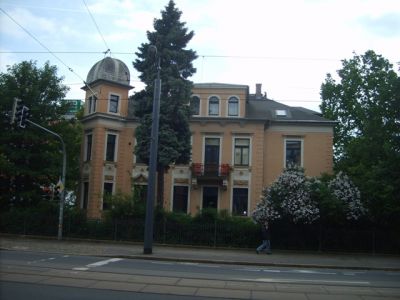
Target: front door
211 156
210 197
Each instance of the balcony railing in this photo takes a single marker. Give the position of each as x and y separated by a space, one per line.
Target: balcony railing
210 170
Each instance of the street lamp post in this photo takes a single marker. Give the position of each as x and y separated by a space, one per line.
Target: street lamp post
148 230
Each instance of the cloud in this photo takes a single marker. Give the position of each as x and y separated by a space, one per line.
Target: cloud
387 25
36 25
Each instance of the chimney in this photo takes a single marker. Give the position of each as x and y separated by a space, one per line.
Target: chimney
258 91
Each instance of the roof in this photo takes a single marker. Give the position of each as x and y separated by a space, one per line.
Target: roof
109 69
260 108
270 110
214 85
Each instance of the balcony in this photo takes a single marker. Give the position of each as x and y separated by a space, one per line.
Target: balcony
210 174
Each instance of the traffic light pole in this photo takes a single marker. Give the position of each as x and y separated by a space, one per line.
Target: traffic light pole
64 169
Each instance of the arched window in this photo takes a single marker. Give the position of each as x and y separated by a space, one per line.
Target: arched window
233 106
213 106
195 105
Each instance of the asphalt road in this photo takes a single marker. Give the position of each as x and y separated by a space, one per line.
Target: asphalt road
103 269
23 291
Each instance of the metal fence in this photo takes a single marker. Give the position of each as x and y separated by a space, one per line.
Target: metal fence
209 233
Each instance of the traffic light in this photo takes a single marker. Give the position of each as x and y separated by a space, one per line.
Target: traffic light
24 117
18 105
21 113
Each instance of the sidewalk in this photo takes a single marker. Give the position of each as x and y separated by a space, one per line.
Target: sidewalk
203 255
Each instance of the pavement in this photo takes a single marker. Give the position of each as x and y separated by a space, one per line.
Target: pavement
249 257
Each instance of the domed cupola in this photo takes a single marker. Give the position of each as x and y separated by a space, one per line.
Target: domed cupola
109 69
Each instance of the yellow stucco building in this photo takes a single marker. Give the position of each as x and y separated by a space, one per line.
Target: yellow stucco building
241 142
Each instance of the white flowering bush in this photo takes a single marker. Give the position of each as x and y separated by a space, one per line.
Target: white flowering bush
289 195
265 209
305 199
344 190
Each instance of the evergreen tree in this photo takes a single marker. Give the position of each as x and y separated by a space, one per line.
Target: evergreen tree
31 158
171 38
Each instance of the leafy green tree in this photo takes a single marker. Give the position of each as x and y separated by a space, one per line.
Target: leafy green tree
31 158
171 37
366 103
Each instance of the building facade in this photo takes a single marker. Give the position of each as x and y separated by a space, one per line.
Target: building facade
74 106
241 142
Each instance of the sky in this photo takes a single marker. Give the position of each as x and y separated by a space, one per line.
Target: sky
288 45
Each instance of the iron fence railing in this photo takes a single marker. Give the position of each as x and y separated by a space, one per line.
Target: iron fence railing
210 233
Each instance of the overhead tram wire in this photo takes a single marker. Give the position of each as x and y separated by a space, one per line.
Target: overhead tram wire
48 50
98 29
202 56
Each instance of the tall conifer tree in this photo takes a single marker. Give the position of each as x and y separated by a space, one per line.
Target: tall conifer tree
171 37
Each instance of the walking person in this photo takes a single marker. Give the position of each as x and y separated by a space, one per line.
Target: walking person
266 238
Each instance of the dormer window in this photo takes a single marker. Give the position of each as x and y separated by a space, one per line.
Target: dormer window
233 106
213 106
281 112
195 105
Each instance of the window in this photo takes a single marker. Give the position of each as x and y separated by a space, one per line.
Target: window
85 195
293 155
239 201
137 158
110 147
140 192
281 112
210 197
107 192
195 105
88 147
114 101
211 156
180 200
242 152
233 106
92 104
213 106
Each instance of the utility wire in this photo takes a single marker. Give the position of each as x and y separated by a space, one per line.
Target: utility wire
98 29
48 50
39 42
203 56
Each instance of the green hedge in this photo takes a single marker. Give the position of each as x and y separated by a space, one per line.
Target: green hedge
205 229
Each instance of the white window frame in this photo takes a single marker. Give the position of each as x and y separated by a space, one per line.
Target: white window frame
238 106
172 197
83 195
233 150
199 114
218 199
92 104
248 199
118 103
102 194
301 140
135 158
204 146
208 106
86 147
116 146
